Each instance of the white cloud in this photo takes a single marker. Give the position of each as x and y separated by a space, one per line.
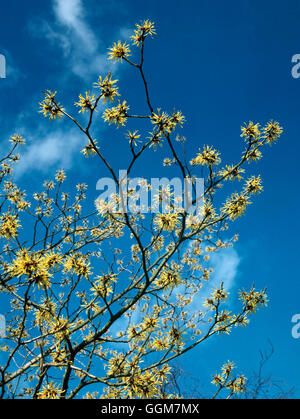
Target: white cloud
41 28
83 55
49 150
225 265
84 52
225 269
70 13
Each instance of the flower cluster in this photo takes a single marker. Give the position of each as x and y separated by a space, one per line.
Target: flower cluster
17 139
85 103
103 287
119 51
78 265
50 391
33 265
49 107
9 225
227 381
236 205
108 89
167 221
208 157
117 114
167 123
147 28
167 279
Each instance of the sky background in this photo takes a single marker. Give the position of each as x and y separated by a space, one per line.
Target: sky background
222 63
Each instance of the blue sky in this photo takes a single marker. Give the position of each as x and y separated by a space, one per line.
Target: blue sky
221 63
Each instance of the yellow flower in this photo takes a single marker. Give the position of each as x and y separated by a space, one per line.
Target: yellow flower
117 114
167 162
238 385
52 260
175 335
60 328
272 131
90 149
207 157
103 286
60 176
177 118
133 136
167 279
108 90
133 332
119 51
150 322
78 265
217 380
116 365
227 368
17 139
49 107
164 122
166 221
32 265
9 225
236 205
163 196
59 356
252 155
208 211
160 343
142 31
253 300
253 185
251 131
50 391
46 312
210 303
232 172
226 381
156 139
85 103
220 295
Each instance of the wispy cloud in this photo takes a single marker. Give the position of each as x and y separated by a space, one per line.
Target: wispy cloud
83 50
48 151
225 265
70 13
225 269
84 54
